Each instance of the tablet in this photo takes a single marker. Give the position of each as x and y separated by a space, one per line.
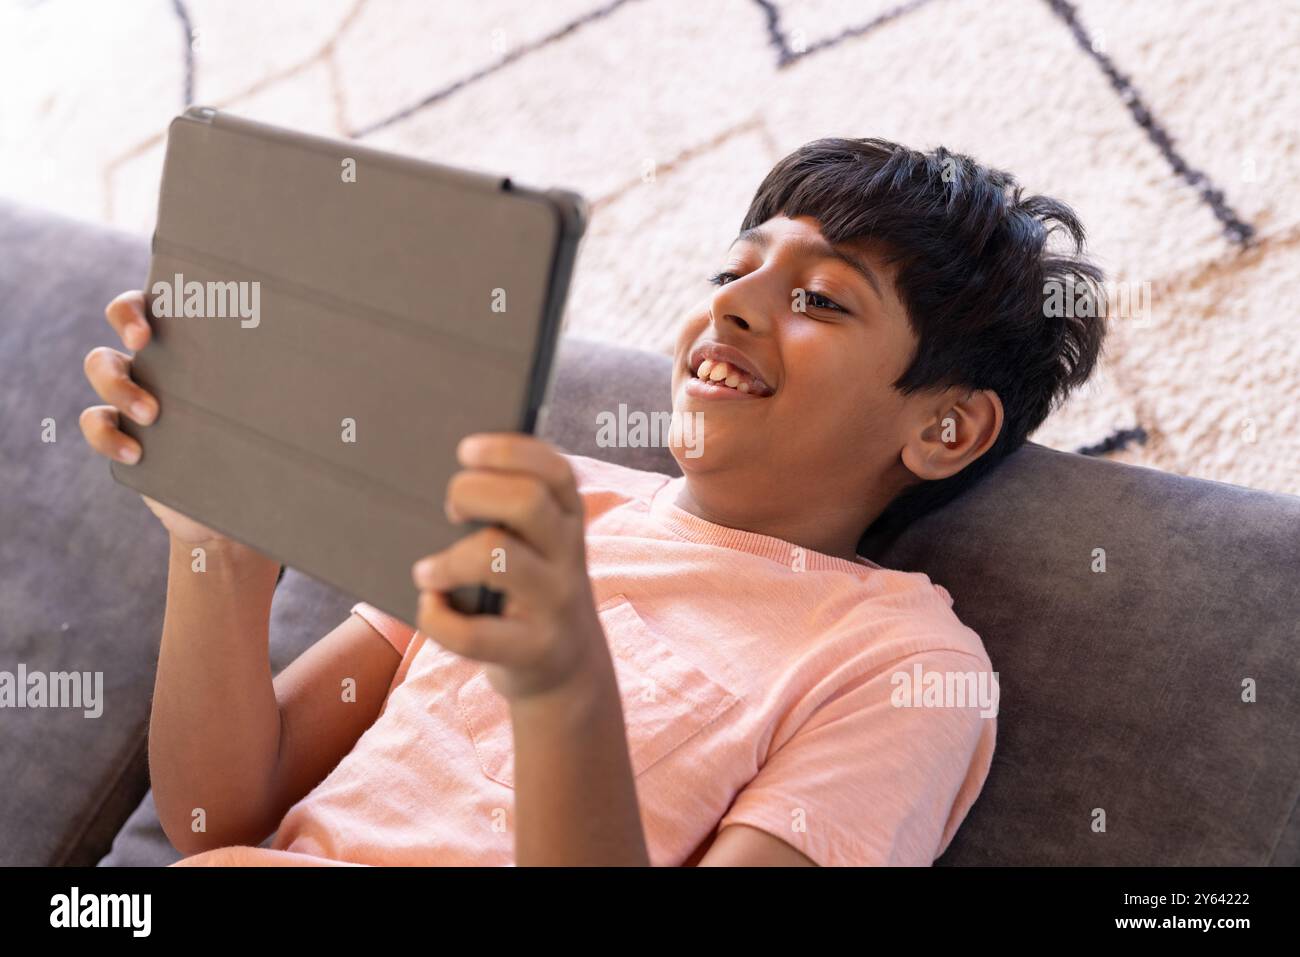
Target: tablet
328 322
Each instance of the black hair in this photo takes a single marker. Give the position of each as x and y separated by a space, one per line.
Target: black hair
980 269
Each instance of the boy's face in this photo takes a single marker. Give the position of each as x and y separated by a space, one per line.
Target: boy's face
805 399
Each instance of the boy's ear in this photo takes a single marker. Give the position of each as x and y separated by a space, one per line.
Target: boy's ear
953 429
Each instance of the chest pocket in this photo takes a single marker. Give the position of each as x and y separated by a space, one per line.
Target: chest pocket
666 699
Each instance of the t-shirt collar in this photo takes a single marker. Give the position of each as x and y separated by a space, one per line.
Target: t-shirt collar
692 528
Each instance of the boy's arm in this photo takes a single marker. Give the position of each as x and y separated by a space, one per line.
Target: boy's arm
321 717
575 796
739 845
225 739
575 800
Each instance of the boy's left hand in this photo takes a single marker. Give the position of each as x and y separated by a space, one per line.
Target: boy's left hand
548 633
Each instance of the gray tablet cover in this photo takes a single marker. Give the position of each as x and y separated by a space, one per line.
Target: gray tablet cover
401 305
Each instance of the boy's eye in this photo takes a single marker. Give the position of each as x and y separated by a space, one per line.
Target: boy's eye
813 299
818 301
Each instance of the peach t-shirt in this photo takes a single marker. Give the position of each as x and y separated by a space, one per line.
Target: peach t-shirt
762 684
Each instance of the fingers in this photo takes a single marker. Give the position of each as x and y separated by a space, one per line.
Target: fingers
126 315
522 483
491 557
99 426
519 501
532 551
513 452
491 638
109 372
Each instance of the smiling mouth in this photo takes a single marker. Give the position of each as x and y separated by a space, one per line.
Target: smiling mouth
726 373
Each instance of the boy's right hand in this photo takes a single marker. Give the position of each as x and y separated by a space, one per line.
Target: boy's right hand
109 372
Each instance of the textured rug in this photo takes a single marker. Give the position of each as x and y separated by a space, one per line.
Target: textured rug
1168 124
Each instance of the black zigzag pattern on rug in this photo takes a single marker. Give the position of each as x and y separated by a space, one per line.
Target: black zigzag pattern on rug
516 54
786 54
1234 227
1116 441
1237 229
187 25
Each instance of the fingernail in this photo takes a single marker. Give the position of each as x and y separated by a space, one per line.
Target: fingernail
135 337
468 446
142 412
450 511
128 454
424 571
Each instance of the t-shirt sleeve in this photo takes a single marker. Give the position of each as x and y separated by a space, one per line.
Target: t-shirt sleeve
396 633
877 775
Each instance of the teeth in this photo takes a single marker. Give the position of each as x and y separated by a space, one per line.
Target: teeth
721 373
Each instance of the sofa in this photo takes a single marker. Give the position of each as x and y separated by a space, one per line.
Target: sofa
1149 712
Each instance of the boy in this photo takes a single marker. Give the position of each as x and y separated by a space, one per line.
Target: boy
690 670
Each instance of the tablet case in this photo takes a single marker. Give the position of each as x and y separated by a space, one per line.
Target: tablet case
401 305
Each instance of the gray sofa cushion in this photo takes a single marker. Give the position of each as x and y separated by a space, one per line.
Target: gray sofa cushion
1121 691
80 580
